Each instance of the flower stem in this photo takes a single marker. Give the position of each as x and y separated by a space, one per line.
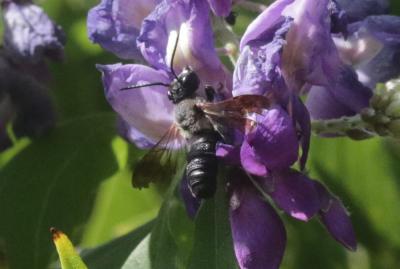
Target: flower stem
341 126
227 37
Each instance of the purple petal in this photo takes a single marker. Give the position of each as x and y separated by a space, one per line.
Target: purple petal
319 63
336 219
265 21
191 203
250 162
359 9
115 25
195 46
132 135
274 139
29 34
349 91
344 97
385 28
230 154
258 69
221 7
294 193
258 233
146 109
310 35
383 67
379 34
322 105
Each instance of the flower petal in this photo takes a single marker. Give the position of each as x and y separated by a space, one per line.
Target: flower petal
230 154
274 139
265 21
346 96
378 32
30 34
310 34
294 193
115 25
258 233
322 105
258 68
359 9
132 135
250 162
195 47
336 219
146 109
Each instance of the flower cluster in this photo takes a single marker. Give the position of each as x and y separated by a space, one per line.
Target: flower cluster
30 37
370 45
292 47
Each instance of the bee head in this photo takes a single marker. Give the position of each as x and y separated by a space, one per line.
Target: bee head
184 86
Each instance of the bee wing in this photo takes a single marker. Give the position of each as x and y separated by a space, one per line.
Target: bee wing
161 162
236 111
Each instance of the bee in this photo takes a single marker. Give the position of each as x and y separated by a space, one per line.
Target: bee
200 123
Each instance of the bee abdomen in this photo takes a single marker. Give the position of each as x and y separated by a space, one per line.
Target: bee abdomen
202 165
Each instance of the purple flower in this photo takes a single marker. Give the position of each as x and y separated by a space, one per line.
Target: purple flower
268 146
29 34
24 104
307 55
258 233
148 111
372 48
115 25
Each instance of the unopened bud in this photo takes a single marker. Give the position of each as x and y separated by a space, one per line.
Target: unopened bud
381 130
393 109
367 113
357 134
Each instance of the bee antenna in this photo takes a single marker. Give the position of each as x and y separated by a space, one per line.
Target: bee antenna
173 56
145 85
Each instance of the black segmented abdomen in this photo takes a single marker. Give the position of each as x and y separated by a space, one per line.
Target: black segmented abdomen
202 164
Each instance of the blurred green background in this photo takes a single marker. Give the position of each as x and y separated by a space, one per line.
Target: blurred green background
77 178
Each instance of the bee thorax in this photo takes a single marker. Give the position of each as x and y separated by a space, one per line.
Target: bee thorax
190 118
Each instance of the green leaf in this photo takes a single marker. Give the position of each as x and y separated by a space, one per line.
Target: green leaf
69 258
308 242
113 254
213 247
169 244
395 7
119 209
52 182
